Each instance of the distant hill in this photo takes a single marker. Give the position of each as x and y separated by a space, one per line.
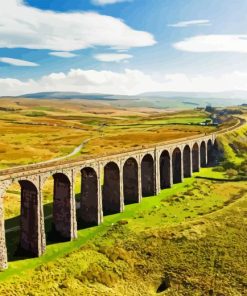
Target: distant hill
153 99
66 95
199 95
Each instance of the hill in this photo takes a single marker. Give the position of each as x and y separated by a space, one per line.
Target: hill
153 99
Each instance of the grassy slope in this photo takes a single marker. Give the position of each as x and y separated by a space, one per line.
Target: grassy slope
194 233
179 242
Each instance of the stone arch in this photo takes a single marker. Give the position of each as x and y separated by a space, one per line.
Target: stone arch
29 239
111 189
165 170
195 158
62 210
89 201
177 165
187 161
147 176
130 181
203 154
29 219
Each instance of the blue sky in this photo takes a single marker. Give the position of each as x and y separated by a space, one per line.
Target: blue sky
128 47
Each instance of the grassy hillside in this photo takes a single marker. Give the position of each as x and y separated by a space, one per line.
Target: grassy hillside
188 240
39 130
192 236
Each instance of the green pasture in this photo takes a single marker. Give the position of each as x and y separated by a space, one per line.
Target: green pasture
166 209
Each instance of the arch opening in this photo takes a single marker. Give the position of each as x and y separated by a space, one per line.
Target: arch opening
62 211
147 176
29 223
165 170
213 152
187 161
203 154
177 166
20 208
111 189
88 210
195 158
130 181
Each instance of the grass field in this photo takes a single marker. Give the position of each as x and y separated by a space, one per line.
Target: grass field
39 130
186 215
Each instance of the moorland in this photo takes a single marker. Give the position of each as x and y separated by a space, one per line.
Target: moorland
191 238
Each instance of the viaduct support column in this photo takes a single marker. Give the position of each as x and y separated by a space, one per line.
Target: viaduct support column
206 152
182 166
157 172
139 181
100 203
42 246
3 249
121 188
171 169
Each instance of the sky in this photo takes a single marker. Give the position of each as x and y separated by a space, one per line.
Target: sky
122 46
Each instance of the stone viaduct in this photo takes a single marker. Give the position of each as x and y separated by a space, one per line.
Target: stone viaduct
107 184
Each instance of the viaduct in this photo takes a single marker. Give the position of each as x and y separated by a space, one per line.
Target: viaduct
107 184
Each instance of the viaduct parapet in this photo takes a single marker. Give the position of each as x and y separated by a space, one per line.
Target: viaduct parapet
107 185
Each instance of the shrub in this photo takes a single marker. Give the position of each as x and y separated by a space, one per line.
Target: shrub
36 114
231 173
229 165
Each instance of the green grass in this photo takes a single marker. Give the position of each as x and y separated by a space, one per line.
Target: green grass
234 145
185 120
101 254
174 211
195 232
57 250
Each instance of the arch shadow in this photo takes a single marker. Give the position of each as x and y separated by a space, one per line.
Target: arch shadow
187 161
130 181
111 189
165 170
177 166
195 158
147 176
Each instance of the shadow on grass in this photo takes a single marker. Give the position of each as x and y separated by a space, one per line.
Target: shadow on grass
222 179
15 253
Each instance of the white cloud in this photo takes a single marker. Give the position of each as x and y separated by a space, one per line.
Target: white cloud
62 54
185 24
27 27
105 2
17 62
214 43
127 82
112 57
206 83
